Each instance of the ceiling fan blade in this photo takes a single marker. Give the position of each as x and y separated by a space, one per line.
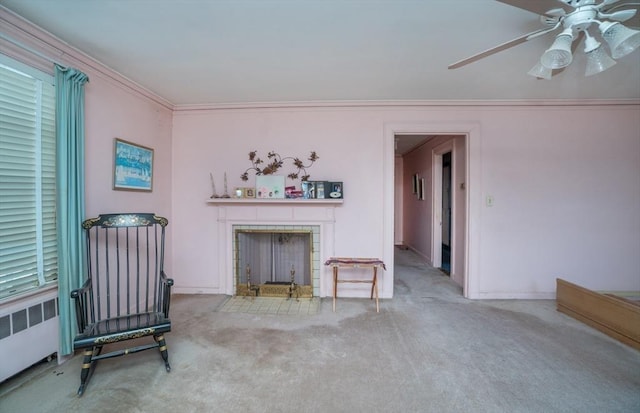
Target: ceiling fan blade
499 48
620 15
631 22
538 6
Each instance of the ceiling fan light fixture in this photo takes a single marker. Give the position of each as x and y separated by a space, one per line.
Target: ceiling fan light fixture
598 61
621 39
540 71
559 54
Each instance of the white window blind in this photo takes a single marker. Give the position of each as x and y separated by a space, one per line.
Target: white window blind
28 245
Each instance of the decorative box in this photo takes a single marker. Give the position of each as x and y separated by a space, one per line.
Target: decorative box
269 186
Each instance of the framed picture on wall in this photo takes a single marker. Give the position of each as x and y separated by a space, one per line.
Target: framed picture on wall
132 166
415 183
421 195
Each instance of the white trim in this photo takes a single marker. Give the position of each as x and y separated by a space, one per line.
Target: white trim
194 108
197 290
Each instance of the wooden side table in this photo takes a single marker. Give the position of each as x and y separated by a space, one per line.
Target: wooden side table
344 262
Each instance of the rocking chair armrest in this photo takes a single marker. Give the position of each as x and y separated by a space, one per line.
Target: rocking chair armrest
166 293
79 291
81 297
165 279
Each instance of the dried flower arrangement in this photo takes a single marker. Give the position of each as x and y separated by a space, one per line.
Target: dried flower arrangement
275 162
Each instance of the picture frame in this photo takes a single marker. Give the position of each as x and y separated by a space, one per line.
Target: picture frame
415 183
132 166
243 192
421 195
238 193
308 189
336 190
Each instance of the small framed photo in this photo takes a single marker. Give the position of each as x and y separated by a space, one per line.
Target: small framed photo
336 190
249 193
308 189
241 192
132 166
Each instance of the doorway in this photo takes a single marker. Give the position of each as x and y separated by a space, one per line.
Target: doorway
462 139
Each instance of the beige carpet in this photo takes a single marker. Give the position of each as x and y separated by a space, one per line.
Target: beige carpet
428 350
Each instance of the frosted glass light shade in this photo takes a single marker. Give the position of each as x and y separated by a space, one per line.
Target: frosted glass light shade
540 71
621 39
598 61
559 54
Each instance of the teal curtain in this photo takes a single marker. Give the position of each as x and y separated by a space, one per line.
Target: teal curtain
69 194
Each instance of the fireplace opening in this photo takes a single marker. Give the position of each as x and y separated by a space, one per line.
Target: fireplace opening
274 263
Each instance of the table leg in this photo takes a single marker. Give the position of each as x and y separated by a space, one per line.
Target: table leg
375 286
335 287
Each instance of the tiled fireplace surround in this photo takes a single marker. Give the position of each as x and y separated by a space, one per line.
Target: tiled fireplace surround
318 217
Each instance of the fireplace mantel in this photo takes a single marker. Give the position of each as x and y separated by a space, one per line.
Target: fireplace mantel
279 214
272 201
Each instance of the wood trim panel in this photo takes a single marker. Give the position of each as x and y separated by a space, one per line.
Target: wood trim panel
617 317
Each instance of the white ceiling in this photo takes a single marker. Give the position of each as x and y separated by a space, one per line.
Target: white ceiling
239 51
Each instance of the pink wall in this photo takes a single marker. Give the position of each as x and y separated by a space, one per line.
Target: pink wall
459 190
399 186
565 179
219 141
111 112
552 171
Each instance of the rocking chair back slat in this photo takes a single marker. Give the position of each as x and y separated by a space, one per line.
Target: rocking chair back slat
125 263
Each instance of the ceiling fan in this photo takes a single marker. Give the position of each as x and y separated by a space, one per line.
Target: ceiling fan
574 20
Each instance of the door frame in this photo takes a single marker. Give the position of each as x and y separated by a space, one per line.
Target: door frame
473 192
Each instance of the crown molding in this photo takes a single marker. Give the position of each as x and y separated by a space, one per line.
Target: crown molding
404 104
30 44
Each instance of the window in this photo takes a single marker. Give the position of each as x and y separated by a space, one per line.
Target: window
28 244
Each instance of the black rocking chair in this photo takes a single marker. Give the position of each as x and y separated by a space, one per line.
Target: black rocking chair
127 293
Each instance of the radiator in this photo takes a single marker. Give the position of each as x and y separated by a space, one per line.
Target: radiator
28 331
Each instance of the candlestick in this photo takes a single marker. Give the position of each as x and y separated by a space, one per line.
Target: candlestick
226 192
213 187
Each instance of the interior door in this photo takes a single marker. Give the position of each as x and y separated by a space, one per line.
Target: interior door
446 213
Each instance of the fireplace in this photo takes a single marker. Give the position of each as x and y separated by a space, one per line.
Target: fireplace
276 260
280 216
